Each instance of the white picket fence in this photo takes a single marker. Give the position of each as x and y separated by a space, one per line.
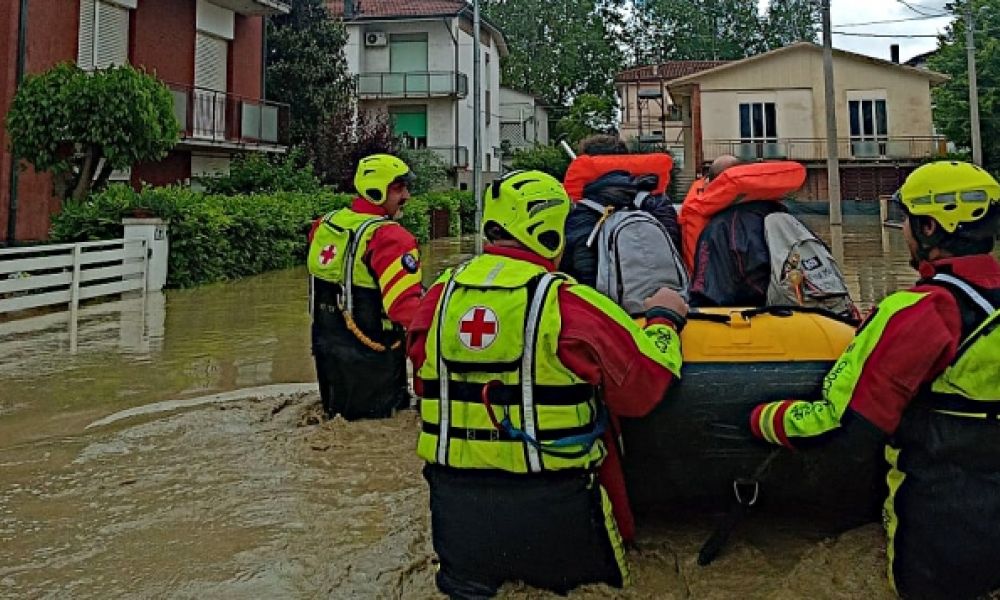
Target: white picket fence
37 276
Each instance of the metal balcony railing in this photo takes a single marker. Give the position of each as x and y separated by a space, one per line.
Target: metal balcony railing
806 149
453 156
218 117
415 84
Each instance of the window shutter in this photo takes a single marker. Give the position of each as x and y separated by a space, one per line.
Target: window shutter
210 61
85 47
112 35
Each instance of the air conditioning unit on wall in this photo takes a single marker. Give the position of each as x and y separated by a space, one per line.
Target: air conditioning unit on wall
376 39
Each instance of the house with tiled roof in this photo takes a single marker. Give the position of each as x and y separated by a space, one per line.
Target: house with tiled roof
772 106
210 53
414 59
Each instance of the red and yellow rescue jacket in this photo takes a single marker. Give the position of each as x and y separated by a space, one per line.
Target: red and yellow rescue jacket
924 369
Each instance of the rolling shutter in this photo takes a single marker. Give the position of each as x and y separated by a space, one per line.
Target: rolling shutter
85 48
210 73
210 62
103 38
112 35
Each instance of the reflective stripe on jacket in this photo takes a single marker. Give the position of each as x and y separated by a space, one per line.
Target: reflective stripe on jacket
498 321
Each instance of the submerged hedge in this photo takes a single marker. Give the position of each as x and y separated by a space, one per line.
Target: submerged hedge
216 237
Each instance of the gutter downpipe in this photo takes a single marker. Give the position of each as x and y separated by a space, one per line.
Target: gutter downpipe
22 49
450 23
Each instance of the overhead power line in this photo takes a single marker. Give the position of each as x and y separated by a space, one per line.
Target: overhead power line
921 11
924 18
887 35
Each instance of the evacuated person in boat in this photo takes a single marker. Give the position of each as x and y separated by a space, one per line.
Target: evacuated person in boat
605 176
923 374
508 354
365 286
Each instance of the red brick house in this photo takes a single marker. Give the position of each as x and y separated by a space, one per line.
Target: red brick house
209 52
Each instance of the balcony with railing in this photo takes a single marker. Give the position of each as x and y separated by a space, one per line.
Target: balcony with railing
453 156
218 119
415 84
255 7
901 148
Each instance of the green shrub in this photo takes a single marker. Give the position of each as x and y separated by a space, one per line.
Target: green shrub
215 237
430 170
258 173
466 210
550 159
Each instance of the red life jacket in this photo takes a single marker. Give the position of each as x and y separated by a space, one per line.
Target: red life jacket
742 183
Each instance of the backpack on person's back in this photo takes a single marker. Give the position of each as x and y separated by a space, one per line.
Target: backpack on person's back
635 255
803 272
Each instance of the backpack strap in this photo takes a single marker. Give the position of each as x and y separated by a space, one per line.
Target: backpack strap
955 283
639 198
605 213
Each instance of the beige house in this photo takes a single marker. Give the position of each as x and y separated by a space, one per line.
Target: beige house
772 106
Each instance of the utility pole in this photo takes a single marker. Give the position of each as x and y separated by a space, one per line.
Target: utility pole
832 157
970 49
477 153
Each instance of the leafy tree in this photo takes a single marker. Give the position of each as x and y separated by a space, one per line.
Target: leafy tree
790 21
559 49
718 29
588 115
81 126
430 170
951 98
344 138
307 68
550 159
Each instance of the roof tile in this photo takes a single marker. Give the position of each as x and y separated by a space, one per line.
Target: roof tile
671 69
399 8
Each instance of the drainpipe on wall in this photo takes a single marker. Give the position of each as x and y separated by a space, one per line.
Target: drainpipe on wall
454 39
22 47
263 59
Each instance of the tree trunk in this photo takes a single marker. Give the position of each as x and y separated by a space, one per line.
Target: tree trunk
83 184
102 178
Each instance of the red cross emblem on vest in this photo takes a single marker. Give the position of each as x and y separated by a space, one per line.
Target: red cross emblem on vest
478 328
327 254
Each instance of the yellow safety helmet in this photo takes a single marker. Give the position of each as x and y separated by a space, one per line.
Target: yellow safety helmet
376 173
532 207
950 192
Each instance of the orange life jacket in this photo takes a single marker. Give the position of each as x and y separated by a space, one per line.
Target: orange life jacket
585 169
742 183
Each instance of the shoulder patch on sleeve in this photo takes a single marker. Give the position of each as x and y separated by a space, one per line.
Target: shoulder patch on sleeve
410 263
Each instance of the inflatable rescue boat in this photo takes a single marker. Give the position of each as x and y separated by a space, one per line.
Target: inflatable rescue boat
692 448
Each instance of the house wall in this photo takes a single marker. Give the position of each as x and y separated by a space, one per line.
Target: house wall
52 38
162 39
246 57
798 76
524 109
443 115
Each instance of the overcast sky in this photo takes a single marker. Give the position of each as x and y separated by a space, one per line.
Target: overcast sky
845 12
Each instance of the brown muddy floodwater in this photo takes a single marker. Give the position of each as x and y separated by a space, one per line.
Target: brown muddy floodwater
172 448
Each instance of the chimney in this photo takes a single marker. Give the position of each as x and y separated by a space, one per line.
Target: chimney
349 9
894 53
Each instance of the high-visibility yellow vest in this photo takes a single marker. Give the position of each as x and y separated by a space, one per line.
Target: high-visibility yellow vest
343 235
495 335
336 255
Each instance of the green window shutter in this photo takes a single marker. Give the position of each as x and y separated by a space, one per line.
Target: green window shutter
411 123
